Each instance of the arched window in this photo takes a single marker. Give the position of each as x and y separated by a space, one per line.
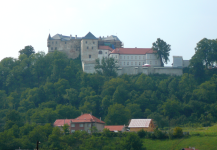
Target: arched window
100 52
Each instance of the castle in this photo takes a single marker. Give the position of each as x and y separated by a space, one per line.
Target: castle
90 48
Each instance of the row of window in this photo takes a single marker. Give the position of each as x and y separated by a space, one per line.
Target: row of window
52 48
56 42
93 42
100 52
88 131
135 63
133 57
88 47
81 125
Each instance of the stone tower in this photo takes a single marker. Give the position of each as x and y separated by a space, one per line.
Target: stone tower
89 48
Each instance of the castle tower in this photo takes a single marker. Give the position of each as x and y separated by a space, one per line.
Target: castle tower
89 48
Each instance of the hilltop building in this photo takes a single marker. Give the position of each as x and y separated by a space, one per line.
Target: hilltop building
128 60
84 122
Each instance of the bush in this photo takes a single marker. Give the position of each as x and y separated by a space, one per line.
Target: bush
178 132
141 133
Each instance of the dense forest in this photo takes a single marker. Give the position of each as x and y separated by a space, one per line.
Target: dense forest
36 89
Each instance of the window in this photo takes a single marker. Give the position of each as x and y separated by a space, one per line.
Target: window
116 56
135 63
139 63
143 63
65 42
86 42
131 63
150 56
124 63
135 57
52 42
92 47
155 62
143 57
55 48
127 63
72 125
56 42
120 63
93 42
124 57
127 57
105 52
89 124
88 131
51 48
150 62
72 131
131 57
81 125
100 52
139 57
87 47
89 56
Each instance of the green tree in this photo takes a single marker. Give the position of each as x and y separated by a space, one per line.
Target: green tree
162 50
106 67
177 132
28 50
117 115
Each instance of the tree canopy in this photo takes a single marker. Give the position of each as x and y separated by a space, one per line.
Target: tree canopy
162 50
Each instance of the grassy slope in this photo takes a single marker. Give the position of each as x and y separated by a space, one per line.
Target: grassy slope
201 138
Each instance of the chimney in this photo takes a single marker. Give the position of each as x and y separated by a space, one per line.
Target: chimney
75 36
70 36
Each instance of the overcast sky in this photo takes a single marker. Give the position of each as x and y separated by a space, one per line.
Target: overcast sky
137 23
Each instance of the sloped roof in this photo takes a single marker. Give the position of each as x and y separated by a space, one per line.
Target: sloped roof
105 48
61 122
111 37
132 51
87 118
89 36
139 123
63 37
115 128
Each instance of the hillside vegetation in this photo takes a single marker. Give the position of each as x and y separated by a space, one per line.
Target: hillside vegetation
37 89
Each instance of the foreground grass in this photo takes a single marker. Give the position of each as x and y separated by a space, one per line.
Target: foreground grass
202 138
199 142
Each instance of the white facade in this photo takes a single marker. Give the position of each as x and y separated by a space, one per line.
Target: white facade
125 60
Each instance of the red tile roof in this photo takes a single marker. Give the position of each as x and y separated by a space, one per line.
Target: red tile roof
115 128
139 123
87 118
106 47
61 122
132 51
82 118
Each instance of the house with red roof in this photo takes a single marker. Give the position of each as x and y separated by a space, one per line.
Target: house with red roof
85 122
139 124
116 128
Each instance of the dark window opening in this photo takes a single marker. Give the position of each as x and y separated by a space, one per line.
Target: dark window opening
55 48
93 42
89 56
86 42
65 42
87 47
92 47
100 52
51 48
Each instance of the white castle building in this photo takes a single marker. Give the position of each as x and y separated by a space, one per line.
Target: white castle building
90 48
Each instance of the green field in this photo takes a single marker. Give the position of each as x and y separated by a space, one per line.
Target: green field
203 138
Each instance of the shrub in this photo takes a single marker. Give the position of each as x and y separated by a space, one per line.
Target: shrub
178 132
141 133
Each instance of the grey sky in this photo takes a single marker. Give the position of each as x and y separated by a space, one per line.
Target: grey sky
137 23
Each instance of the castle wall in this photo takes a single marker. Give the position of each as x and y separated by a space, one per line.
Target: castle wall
150 70
89 50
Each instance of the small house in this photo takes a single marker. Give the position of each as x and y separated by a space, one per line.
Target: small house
139 124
